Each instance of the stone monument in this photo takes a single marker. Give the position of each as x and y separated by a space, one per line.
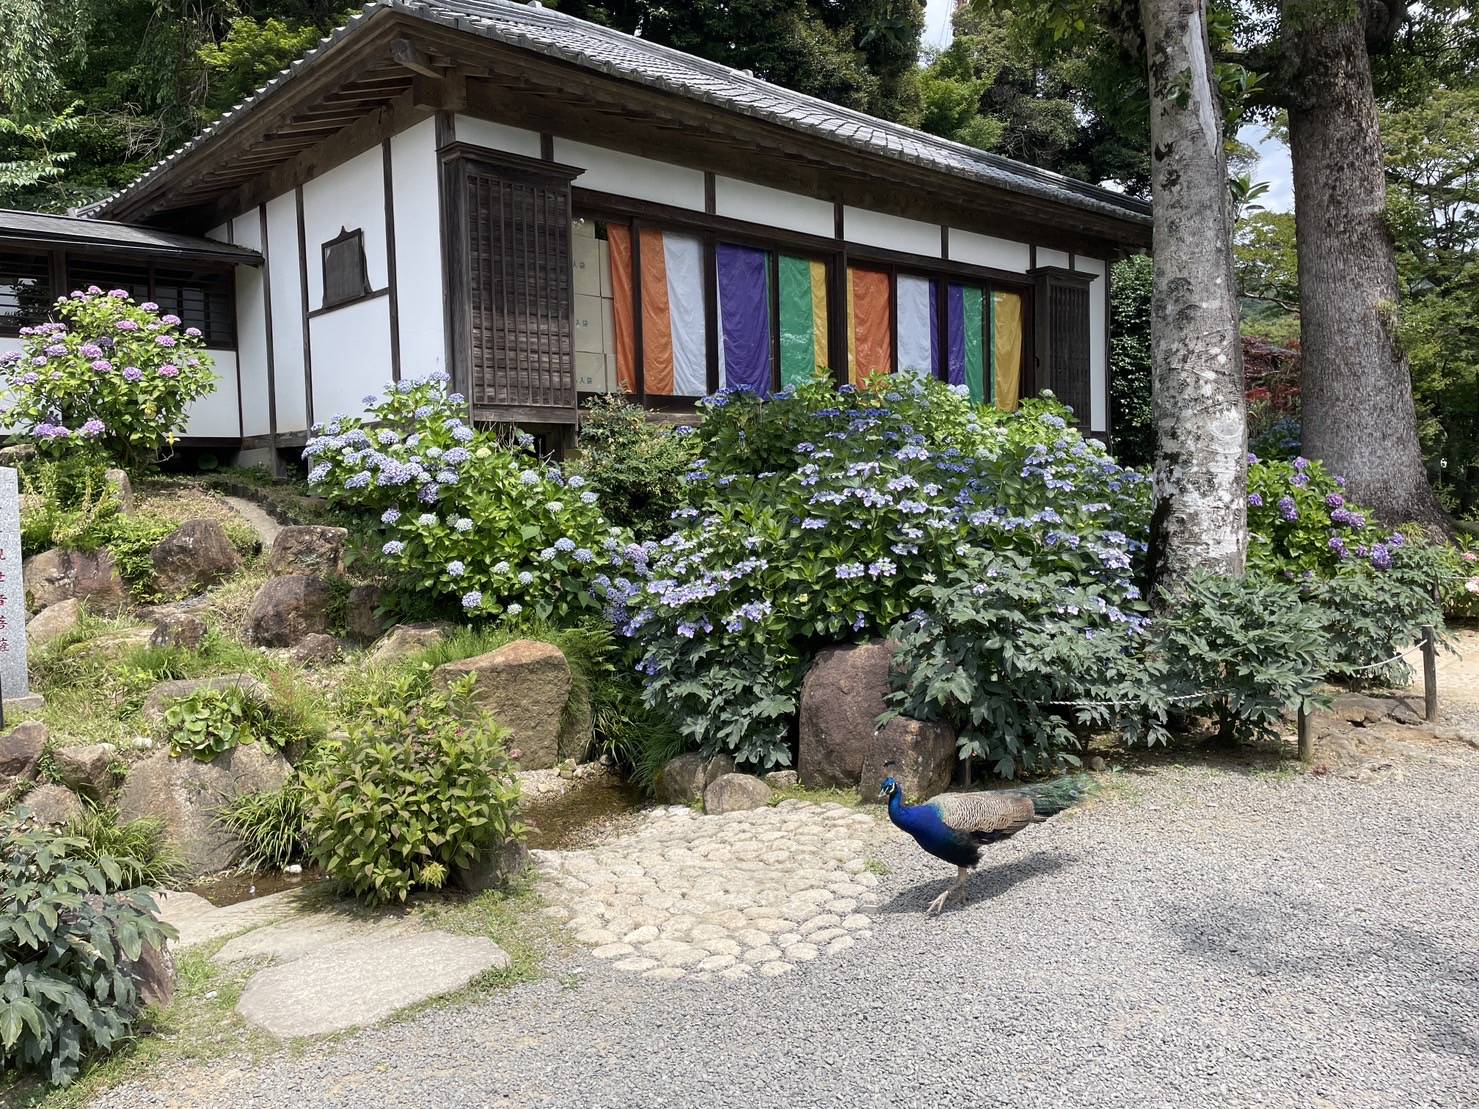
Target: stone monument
14 684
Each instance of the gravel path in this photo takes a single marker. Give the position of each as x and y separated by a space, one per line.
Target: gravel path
1203 938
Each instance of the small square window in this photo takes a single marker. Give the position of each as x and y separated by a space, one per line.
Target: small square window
346 276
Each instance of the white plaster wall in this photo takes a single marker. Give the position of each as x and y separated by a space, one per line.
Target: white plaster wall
418 250
1098 352
251 330
497 136
988 250
772 207
358 335
287 313
221 234
348 197
215 415
612 171
866 228
1047 257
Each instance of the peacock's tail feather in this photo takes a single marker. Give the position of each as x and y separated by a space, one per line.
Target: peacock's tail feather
1053 797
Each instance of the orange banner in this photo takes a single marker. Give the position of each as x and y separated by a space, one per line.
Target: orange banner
657 335
872 322
619 247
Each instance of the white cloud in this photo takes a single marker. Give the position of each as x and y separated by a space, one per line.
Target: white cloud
1273 166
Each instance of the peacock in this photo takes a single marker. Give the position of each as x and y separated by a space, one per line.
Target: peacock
955 826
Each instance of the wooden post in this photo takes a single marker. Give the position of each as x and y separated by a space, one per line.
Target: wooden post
1306 738
963 771
1430 673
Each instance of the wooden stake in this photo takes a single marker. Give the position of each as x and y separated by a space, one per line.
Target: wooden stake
1306 738
1430 673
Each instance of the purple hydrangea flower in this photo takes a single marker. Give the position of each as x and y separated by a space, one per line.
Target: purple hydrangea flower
390 515
456 568
318 473
169 370
393 548
127 325
132 373
171 319
165 340
1381 557
102 365
472 600
1288 509
149 306
193 332
1334 500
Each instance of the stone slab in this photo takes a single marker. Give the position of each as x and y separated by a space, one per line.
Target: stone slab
198 926
302 934
14 682
360 981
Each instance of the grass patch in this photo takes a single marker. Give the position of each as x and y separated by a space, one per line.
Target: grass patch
199 1026
878 867
848 797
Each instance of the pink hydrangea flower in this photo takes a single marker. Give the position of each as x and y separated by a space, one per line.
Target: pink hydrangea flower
171 319
126 325
102 365
165 340
193 332
169 370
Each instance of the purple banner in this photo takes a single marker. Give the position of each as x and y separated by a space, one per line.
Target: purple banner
955 311
744 308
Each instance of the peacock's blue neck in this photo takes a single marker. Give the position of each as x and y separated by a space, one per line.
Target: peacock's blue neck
899 812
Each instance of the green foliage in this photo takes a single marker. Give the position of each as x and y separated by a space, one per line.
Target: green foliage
210 722
1247 650
66 940
108 375
461 517
69 504
1299 522
1131 415
140 848
997 645
1267 268
419 789
817 515
635 466
270 826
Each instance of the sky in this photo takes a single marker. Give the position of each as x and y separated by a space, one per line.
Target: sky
1273 164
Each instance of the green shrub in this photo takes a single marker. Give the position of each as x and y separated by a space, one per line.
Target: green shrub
831 507
635 466
420 788
460 517
107 374
1247 651
140 848
1300 523
68 503
65 943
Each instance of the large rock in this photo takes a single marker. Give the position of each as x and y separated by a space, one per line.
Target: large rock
496 868
90 576
362 618
735 793
53 622
923 755
121 488
153 973
182 630
20 749
360 981
317 649
163 695
842 746
87 770
187 794
841 700
682 780
309 549
288 608
404 640
524 686
195 556
53 805
110 646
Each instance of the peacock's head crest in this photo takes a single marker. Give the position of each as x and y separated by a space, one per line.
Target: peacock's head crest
890 784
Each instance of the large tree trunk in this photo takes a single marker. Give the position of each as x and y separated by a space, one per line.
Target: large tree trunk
1357 388
1200 520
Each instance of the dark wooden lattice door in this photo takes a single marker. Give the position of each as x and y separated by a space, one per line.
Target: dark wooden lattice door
1062 328
521 349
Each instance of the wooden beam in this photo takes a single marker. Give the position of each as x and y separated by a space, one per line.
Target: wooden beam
413 58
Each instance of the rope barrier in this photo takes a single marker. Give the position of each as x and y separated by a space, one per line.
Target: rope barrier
1183 697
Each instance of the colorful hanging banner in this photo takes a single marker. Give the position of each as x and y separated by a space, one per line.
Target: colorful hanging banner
918 325
803 304
673 330
869 324
744 314
1006 353
965 354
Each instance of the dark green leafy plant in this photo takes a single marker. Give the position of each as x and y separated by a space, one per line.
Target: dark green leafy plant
420 789
210 722
635 466
270 826
1247 650
66 944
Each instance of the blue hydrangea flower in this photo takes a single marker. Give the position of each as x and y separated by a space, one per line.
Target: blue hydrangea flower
393 548
456 568
390 515
319 473
472 600
427 520
564 543
462 524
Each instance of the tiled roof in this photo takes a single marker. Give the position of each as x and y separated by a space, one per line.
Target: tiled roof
62 231
590 46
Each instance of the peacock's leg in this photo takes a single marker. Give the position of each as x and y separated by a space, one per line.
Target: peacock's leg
939 903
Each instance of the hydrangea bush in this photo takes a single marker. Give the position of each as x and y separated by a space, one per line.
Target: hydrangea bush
107 372
458 515
824 510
